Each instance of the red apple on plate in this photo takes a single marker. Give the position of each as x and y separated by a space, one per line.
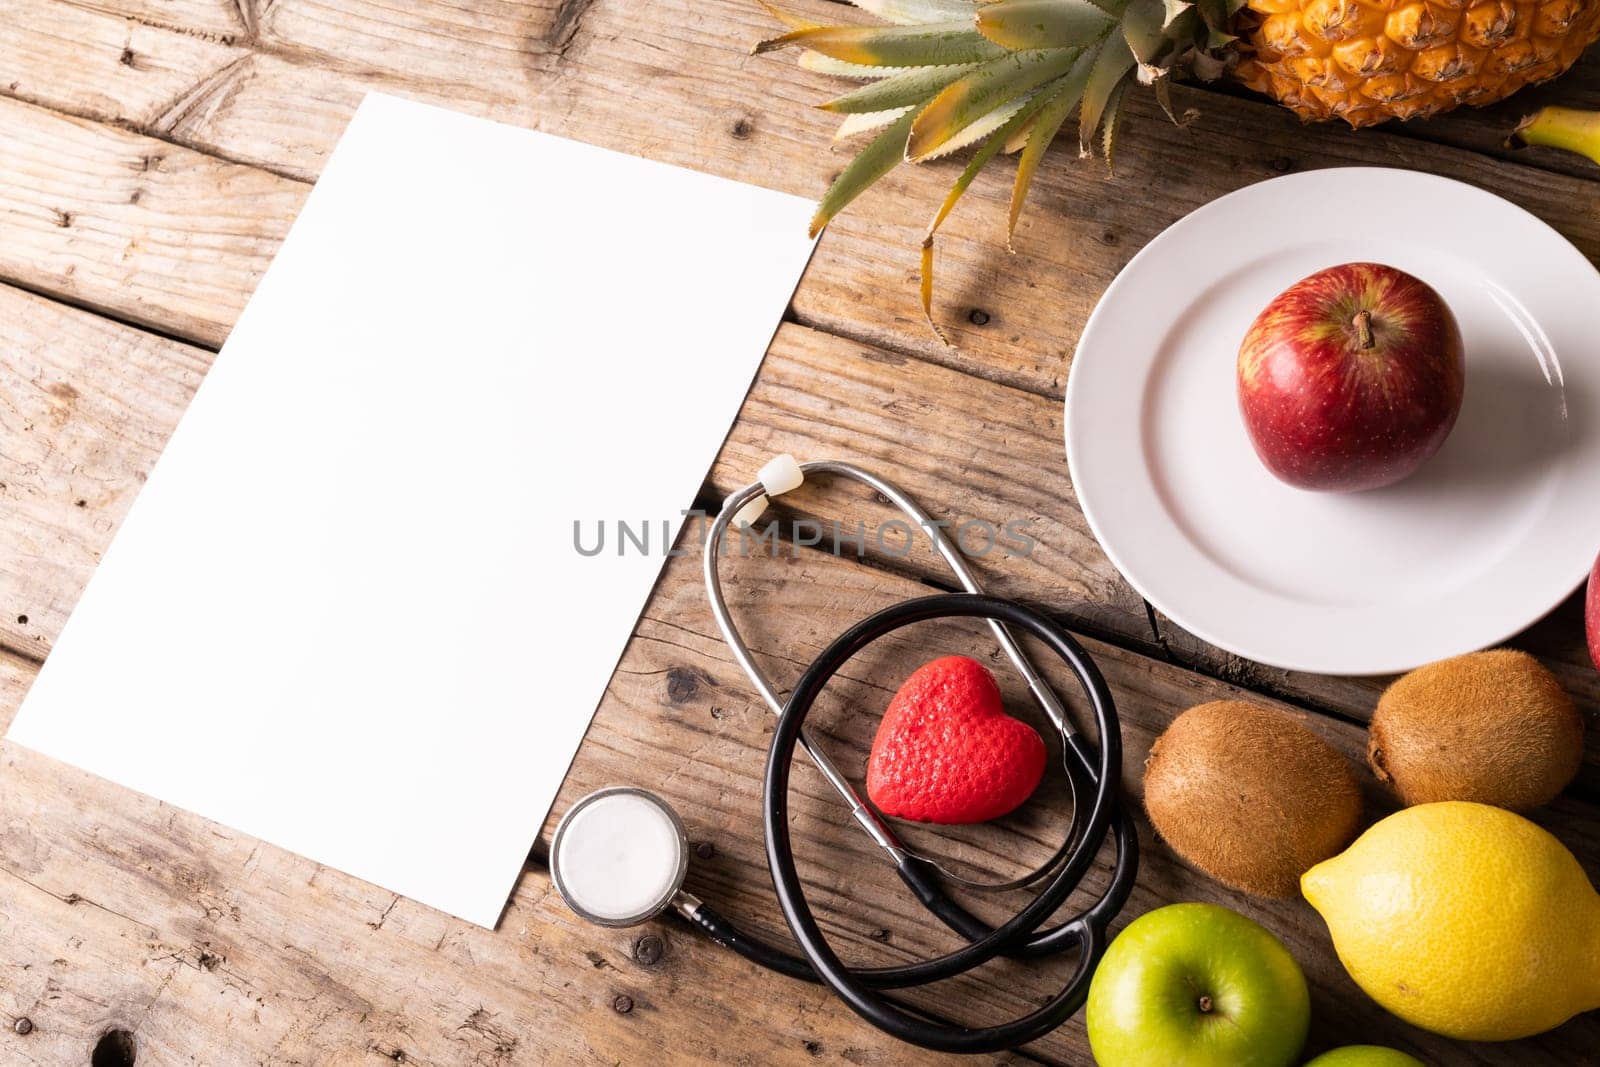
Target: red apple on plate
1591 614
1351 378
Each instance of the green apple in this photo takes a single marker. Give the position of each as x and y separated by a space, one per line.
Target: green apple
1197 985
1365 1056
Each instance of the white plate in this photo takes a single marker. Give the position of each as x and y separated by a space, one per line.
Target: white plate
1485 539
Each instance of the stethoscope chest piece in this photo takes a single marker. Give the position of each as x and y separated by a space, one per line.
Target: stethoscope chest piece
619 856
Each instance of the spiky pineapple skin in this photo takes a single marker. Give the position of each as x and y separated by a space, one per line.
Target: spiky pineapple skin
1366 61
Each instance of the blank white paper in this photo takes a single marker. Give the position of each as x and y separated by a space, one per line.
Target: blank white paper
346 614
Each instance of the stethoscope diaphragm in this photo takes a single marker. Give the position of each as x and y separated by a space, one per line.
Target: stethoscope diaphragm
619 856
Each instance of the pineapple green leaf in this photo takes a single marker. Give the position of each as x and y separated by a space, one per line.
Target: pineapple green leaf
893 46
1046 125
872 120
1172 9
1142 25
1216 14
979 160
1000 75
1042 23
1019 139
1163 90
1111 66
901 90
821 64
886 151
981 129
981 92
1108 136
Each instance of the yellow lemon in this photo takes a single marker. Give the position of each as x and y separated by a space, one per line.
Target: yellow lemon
1465 920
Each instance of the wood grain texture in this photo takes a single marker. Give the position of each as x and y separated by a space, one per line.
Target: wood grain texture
86 406
497 41
221 20
153 233
92 63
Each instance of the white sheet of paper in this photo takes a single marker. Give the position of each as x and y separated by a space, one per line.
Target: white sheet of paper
346 614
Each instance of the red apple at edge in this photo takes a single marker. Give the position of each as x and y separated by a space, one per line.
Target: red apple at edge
1351 378
1591 615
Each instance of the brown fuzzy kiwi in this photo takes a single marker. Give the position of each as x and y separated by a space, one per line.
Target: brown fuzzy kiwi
1250 796
1493 727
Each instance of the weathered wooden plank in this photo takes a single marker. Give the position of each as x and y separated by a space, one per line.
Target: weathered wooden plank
981 455
189 88
91 63
148 231
222 20
497 40
86 406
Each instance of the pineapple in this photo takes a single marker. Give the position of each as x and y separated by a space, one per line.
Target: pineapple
1006 76
1365 61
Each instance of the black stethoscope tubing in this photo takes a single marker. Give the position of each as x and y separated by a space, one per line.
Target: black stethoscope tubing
1019 936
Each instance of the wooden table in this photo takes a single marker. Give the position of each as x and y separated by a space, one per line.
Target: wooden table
152 155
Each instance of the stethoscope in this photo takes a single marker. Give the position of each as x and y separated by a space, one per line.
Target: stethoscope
630 838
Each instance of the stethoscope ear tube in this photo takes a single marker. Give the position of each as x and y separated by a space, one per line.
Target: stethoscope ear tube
858 987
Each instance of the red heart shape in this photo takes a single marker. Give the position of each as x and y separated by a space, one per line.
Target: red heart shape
946 751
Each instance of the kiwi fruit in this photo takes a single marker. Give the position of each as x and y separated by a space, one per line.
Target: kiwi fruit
1250 796
1491 727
